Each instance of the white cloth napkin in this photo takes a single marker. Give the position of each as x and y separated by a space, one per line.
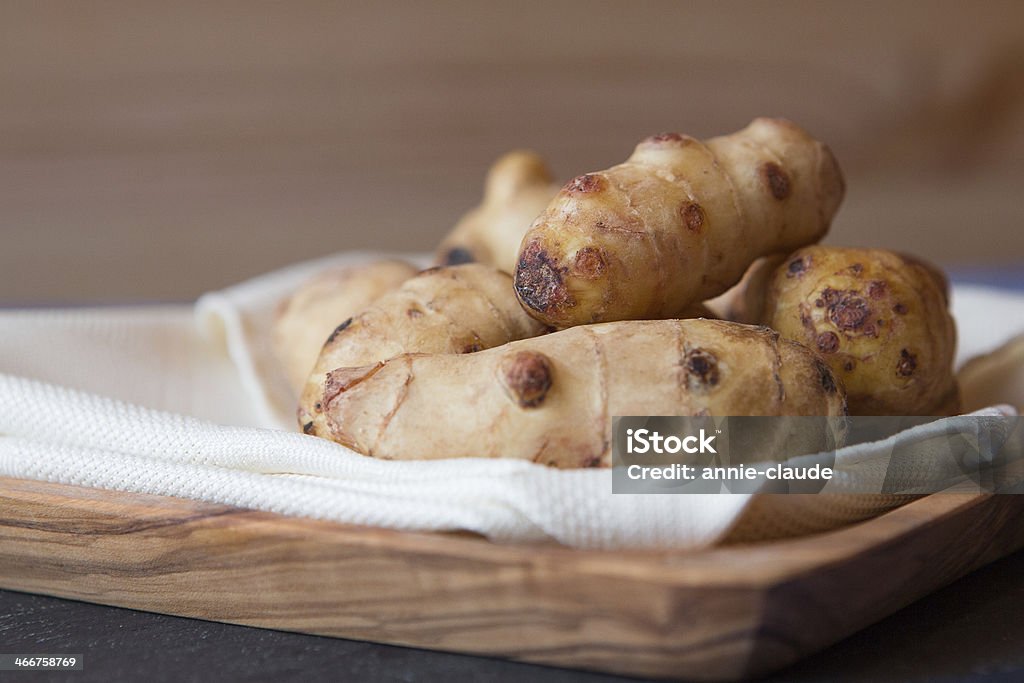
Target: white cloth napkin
171 401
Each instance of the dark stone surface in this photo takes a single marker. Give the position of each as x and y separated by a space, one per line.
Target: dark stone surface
972 630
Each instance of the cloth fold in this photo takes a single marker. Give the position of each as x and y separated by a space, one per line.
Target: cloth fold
175 401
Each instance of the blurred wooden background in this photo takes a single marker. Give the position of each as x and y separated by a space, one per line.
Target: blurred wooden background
155 150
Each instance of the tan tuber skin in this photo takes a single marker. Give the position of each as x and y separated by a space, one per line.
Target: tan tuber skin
519 187
881 321
743 303
551 400
451 310
677 223
305 319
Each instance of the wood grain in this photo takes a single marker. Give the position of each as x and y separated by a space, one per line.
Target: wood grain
716 615
141 141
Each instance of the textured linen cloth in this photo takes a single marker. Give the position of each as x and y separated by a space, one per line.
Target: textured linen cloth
188 401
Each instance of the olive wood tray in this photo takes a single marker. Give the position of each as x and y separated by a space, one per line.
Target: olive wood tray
721 614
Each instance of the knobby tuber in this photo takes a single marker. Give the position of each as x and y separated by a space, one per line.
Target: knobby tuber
677 223
304 320
519 187
879 319
443 310
551 399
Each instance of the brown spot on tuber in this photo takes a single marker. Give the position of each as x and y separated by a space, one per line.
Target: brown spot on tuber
457 256
900 308
307 428
877 289
589 263
538 281
591 461
828 381
907 364
828 342
856 269
701 368
849 366
526 376
585 184
338 330
805 318
797 267
693 216
778 181
414 313
426 271
473 345
846 308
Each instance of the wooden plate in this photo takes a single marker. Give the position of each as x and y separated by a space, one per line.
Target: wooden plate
720 614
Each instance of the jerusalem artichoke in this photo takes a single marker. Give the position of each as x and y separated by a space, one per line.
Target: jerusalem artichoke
677 223
881 321
304 320
551 399
519 186
443 310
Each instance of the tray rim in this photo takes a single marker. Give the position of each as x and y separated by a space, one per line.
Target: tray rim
752 577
